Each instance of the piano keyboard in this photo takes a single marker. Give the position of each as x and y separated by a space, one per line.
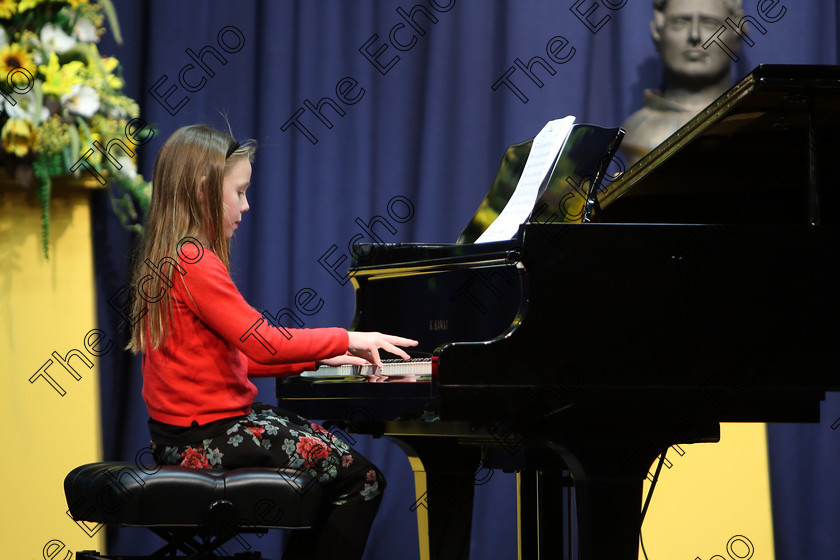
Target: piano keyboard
415 366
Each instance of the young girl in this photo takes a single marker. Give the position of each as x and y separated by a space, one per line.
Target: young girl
201 341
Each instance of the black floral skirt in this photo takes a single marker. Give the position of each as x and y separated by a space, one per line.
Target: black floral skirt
271 437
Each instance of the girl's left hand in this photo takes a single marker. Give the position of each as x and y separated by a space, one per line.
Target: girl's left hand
347 359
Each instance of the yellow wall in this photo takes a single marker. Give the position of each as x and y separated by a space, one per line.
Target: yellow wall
46 306
714 494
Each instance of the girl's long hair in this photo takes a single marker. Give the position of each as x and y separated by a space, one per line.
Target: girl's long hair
186 203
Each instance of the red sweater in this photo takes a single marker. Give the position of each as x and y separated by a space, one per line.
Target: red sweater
215 342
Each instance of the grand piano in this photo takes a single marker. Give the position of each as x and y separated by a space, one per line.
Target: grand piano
631 312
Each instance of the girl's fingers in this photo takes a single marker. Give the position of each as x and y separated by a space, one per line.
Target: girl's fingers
394 350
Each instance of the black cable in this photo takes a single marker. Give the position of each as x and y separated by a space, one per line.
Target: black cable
649 496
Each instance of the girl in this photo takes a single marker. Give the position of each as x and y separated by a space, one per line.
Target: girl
201 341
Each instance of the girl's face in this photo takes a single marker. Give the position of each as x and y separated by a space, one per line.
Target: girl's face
233 194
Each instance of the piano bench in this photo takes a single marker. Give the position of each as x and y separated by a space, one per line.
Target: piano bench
195 510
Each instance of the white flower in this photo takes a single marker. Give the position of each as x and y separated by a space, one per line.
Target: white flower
4 40
86 31
128 167
115 112
26 108
82 100
54 38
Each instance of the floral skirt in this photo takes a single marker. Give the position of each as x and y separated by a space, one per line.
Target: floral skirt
271 437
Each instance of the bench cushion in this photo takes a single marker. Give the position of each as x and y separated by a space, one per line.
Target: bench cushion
172 496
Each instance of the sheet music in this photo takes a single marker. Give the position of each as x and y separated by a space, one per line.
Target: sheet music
544 153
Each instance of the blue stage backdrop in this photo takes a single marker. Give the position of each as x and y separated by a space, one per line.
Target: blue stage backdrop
421 110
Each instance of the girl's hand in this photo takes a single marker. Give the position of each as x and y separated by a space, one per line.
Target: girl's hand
351 360
366 345
343 360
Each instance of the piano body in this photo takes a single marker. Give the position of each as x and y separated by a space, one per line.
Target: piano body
624 317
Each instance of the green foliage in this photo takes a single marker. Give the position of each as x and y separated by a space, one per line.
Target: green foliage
45 167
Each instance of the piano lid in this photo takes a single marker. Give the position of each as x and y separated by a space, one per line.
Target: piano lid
752 143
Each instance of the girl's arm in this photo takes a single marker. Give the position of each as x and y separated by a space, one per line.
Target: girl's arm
213 297
256 369
282 370
207 289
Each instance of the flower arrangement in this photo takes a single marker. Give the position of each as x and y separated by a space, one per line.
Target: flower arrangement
59 95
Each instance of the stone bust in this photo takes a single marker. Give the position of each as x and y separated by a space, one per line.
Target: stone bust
694 76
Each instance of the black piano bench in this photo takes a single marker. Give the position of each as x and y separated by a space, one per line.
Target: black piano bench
195 510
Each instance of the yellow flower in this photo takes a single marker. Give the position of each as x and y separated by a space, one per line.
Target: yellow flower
106 127
29 4
15 56
121 106
88 137
110 64
92 13
18 136
52 136
101 69
59 79
7 8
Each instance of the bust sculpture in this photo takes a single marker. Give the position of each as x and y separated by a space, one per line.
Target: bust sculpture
694 76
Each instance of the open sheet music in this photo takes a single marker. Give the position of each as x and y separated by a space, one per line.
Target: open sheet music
545 152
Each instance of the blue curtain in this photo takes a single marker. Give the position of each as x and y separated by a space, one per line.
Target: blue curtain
421 109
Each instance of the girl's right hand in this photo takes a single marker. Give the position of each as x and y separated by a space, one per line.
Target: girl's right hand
367 345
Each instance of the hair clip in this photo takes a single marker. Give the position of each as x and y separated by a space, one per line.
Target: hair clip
233 148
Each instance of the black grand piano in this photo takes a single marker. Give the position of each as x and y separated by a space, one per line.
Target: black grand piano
628 314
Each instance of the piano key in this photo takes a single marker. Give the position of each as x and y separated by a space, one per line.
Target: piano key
415 366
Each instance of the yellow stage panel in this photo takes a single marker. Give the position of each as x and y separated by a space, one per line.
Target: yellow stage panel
46 307
714 500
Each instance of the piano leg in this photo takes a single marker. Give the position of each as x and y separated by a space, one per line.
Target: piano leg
608 484
542 528
609 513
444 479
